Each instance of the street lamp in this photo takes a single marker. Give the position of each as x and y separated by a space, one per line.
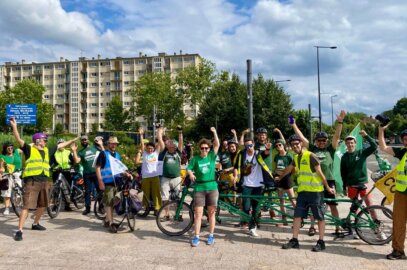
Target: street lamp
282 81
332 107
319 87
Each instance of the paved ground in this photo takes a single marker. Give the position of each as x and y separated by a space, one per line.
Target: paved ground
73 241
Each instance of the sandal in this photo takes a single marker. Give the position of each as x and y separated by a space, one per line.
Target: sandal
311 231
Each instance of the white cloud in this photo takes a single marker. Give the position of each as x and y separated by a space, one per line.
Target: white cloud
366 71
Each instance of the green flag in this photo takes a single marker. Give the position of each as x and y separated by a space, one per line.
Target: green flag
340 150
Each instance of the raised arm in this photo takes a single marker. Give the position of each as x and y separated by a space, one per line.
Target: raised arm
180 140
64 144
373 145
234 135
244 132
382 142
141 132
276 130
338 129
76 158
13 125
215 140
299 133
161 144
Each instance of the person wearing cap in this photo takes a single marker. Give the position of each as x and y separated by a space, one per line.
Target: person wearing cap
35 177
86 158
171 174
109 178
150 183
325 152
13 162
251 171
400 196
354 169
226 158
311 182
285 185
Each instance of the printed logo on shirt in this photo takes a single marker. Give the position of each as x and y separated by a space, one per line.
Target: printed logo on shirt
204 168
321 155
357 158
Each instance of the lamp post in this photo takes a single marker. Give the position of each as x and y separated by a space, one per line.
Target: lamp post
319 87
332 107
282 81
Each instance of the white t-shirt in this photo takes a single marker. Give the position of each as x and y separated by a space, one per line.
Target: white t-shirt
149 168
255 178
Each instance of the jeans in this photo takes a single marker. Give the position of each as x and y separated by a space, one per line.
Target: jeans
251 203
90 182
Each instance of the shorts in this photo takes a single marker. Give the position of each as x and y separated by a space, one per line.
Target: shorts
307 200
206 198
327 195
35 194
7 193
353 191
108 195
227 177
167 184
285 183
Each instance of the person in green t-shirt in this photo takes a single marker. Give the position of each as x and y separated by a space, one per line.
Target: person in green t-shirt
12 159
201 171
325 152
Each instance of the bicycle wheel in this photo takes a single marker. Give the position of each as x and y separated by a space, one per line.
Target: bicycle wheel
374 232
131 220
17 200
146 209
78 197
55 202
175 218
99 209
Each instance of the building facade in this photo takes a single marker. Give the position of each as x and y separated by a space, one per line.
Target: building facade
81 90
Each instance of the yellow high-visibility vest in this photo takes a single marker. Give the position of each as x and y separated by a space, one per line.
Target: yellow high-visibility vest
401 178
307 180
36 165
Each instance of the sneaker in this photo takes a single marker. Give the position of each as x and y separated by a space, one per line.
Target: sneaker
112 228
195 241
293 243
38 227
6 212
18 236
68 209
253 232
86 211
319 246
165 218
311 231
381 236
396 255
211 240
106 223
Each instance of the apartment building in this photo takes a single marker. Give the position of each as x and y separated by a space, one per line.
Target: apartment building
81 90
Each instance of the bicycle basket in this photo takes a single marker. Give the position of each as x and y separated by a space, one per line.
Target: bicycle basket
4 183
119 203
135 200
174 194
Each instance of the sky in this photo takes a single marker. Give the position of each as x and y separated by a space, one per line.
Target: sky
366 71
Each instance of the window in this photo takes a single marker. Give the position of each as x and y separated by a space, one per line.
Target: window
93 105
141 72
60 86
47 67
46 96
47 77
17 78
108 95
101 104
93 95
101 115
126 104
60 66
126 83
141 62
93 74
126 93
27 68
60 96
126 73
92 64
60 116
126 62
17 68
93 84
61 76
93 115
101 94
107 83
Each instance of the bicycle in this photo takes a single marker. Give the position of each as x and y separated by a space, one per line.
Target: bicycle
99 207
61 190
16 194
127 205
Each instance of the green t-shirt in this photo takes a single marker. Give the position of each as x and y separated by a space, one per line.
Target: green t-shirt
171 164
268 160
224 159
87 156
204 170
399 153
282 161
15 159
326 159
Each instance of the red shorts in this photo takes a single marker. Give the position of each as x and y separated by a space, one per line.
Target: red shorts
353 191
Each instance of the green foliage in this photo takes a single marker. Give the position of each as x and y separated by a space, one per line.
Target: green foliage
401 107
158 89
116 118
94 128
59 129
194 82
27 92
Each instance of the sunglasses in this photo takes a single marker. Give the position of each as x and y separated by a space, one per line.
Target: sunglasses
295 144
321 140
204 148
279 144
248 145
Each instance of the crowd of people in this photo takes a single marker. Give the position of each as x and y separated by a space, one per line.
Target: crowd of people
247 164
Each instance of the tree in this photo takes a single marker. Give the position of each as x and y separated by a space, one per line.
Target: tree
28 92
116 118
157 89
195 81
271 105
401 107
59 129
224 106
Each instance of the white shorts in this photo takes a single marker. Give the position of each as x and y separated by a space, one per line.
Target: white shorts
7 193
167 184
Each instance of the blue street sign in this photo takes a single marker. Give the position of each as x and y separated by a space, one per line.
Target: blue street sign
23 113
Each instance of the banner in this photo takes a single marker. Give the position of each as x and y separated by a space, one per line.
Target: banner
117 166
387 185
340 150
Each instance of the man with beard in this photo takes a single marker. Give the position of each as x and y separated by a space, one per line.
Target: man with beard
86 157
